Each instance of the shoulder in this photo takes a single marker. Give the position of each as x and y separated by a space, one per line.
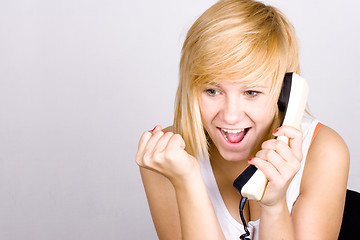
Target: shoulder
323 186
328 146
327 163
328 156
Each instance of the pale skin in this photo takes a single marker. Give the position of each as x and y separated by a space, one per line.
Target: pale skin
179 204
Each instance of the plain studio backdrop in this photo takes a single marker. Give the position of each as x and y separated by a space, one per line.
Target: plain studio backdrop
80 80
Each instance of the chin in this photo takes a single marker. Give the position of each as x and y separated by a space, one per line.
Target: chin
234 156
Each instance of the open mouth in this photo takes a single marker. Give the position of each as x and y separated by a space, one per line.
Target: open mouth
234 135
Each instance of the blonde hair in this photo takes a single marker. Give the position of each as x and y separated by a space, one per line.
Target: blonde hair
238 40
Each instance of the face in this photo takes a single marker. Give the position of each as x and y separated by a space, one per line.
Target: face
236 117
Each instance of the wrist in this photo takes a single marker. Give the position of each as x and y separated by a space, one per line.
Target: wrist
275 209
189 179
276 222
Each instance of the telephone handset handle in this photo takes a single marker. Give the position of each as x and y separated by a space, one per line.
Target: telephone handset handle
292 102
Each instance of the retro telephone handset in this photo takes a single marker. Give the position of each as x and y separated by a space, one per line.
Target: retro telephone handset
251 183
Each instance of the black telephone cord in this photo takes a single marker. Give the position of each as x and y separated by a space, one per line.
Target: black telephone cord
241 208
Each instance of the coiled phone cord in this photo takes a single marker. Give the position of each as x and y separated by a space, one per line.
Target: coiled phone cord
241 208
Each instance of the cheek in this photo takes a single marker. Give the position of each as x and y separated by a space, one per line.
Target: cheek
205 112
208 111
264 113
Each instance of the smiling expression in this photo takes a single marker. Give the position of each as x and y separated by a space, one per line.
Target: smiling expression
236 117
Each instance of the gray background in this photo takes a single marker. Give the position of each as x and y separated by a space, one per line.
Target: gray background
80 80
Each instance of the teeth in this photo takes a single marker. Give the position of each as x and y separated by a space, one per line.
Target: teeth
231 131
224 131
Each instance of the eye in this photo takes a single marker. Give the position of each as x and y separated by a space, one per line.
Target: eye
212 92
251 93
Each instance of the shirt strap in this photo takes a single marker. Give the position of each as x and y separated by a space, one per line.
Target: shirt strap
317 128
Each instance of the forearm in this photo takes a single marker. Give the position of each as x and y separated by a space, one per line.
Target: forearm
197 216
276 223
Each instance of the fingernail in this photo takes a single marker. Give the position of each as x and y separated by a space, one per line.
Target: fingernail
275 131
249 159
154 128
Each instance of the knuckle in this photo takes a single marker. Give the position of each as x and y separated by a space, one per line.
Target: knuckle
138 161
137 158
159 133
146 159
168 154
260 153
169 134
143 139
176 140
177 137
261 163
269 144
266 143
269 154
157 157
146 134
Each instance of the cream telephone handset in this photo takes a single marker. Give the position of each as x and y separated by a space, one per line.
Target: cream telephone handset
251 183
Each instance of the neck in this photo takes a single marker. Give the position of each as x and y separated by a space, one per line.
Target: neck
225 171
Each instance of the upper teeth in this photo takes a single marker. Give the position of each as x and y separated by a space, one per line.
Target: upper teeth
232 130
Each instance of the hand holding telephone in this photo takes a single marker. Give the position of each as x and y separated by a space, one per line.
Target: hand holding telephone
251 183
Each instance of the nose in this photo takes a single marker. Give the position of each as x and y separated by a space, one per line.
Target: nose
233 111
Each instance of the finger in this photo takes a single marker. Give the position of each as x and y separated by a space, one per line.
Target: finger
143 143
141 146
153 141
291 161
279 147
175 142
266 167
289 157
143 140
146 157
273 158
286 168
163 141
156 129
294 135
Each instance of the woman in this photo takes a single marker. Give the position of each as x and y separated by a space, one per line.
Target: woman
233 63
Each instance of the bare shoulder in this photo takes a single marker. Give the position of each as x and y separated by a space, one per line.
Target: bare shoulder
323 187
327 140
162 202
327 160
329 150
